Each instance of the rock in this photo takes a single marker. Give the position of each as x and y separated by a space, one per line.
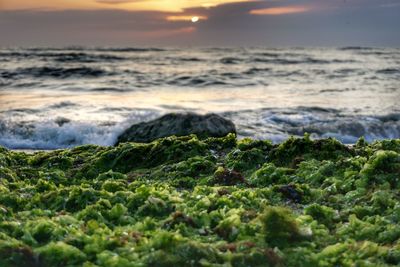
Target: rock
291 193
227 177
210 125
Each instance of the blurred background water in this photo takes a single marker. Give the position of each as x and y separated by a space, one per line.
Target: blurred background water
55 98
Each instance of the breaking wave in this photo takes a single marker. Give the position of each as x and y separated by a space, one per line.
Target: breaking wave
278 124
59 133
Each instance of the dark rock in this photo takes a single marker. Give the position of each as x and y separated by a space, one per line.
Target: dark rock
228 177
210 125
291 193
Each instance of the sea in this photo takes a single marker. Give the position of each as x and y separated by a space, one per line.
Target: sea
53 98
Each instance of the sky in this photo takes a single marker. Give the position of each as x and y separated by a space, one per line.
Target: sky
216 23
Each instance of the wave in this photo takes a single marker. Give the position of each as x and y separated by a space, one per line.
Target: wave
109 89
130 49
29 111
186 59
287 61
333 123
343 73
348 71
355 48
273 55
85 58
22 111
279 124
232 75
11 54
377 53
253 71
197 81
7 75
66 48
388 71
63 132
60 133
55 72
62 56
111 49
213 79
230 60
62 104
290 74
322 91
273 124
3 83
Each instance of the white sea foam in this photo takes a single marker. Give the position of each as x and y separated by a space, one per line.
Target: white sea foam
49 135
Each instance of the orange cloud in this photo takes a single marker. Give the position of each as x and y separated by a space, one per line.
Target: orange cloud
185 18
131 5
280 10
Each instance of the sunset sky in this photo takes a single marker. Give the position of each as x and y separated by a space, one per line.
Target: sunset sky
198 22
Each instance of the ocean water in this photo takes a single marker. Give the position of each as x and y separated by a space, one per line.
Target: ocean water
56 98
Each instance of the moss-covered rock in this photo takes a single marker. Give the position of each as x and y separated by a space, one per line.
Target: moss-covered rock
210 125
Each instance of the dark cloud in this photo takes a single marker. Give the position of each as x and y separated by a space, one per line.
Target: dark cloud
328 23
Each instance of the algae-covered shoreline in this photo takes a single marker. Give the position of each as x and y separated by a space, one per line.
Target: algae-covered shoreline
181 201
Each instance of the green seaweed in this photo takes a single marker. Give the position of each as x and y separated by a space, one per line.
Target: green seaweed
280 226
181 201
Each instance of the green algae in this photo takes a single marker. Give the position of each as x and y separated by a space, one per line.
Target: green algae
181 201
279 226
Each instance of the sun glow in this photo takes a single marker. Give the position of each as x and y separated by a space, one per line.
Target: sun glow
193 19
280 10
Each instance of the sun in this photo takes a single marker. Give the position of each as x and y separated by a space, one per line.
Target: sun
195 19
